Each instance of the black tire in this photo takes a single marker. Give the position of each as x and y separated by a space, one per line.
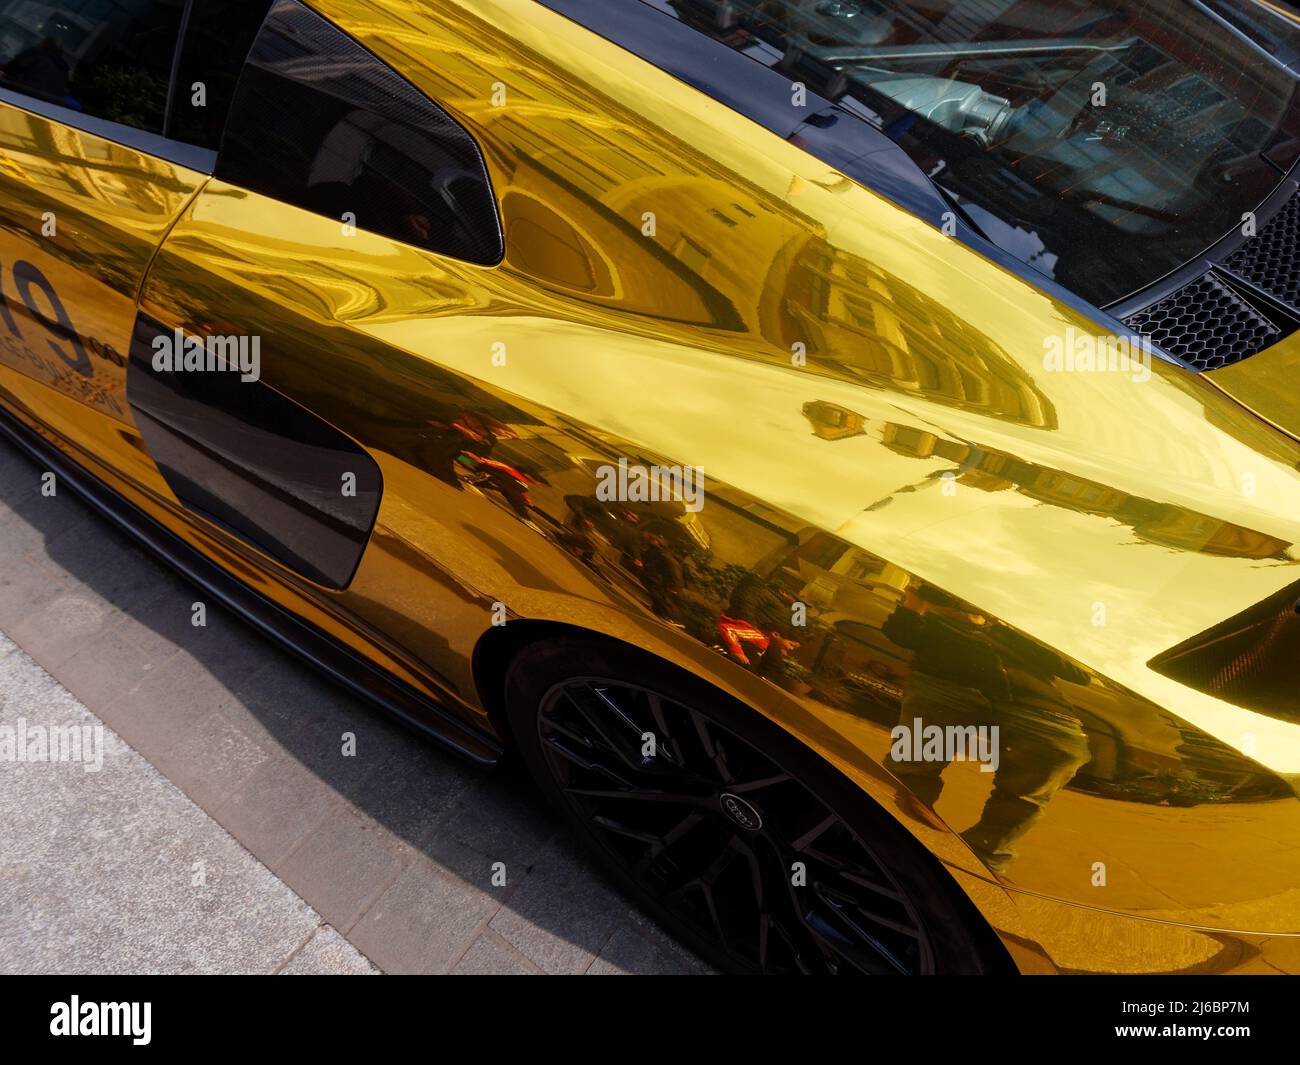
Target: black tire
873 899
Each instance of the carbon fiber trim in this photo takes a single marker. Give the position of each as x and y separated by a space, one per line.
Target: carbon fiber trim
1248 660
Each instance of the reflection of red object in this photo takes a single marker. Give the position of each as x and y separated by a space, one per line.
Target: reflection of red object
735 632
522 478
507 480
480 427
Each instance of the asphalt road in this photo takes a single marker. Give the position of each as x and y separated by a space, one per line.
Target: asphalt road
225 828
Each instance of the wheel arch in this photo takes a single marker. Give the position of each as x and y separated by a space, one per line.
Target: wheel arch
989 904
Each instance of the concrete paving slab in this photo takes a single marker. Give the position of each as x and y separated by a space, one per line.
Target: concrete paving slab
107 867
328 954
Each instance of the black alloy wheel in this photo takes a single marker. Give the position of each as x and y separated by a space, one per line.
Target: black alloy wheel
725 827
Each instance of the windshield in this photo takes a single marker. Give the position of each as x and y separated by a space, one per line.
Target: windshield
1103 143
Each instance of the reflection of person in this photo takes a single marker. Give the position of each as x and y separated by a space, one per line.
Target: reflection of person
396 180
756 601
969 670
661 575
446 439
41 69
510 482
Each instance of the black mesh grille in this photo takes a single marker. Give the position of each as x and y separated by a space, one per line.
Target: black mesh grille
1205 324
1271 259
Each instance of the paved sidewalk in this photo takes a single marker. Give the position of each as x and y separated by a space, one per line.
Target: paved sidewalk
220 749
106 866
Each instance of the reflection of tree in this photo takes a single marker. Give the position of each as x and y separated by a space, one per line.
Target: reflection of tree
127 94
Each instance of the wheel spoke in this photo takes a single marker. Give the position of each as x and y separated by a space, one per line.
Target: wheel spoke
713 827
741 787
830 921
789 940
801 941
853 873
586 763
707 891
712 750
661 845
816 832
643 795
603 695
667 744
755 871
872 916
594 721
620 829
720 865
835 946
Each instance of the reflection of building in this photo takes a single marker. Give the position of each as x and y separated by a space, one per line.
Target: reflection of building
1158 523
877 327
830 421
578 175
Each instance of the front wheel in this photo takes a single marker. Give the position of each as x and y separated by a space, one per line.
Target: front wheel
741 841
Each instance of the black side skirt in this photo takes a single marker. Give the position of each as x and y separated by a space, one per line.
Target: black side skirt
304 639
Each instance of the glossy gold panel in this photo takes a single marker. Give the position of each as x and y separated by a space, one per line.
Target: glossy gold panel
84 216
1261 384
908 512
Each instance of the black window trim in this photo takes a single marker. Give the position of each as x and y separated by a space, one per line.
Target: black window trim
181 30
470 136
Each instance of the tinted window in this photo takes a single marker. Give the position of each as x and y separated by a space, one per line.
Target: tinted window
1105 142
218 35
321 123
109 58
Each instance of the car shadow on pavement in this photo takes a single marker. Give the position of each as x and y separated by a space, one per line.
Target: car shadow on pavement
425 862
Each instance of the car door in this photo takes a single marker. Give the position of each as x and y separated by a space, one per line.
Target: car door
273 424
353 229
101 147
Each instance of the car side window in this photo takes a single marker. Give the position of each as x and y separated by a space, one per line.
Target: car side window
218 35
320 122
111 59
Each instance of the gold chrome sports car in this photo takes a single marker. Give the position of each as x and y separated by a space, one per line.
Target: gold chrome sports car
850 450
